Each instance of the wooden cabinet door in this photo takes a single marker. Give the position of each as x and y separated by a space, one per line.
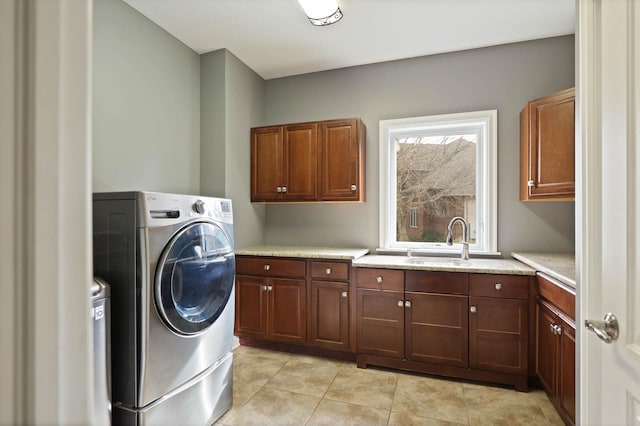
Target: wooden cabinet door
547 350
330 315
567 373
251 306
380 319
266 163
436 328
548 147
342 166
287 310
300 162
498 334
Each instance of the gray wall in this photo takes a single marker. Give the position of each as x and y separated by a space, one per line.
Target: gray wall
502 77
146 105
232 103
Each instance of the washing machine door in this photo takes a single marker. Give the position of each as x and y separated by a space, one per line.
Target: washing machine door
195 278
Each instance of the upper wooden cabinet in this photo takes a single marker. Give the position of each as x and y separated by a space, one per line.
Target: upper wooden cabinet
305 162
547 147
284 161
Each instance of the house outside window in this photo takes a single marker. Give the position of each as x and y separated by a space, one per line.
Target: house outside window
433 169
413 217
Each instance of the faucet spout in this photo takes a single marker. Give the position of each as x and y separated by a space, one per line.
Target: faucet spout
465 236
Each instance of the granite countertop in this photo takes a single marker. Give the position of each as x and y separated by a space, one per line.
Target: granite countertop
304 251
448 264
559 266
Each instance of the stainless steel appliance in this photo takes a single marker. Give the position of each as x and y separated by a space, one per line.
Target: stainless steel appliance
100 318
169 260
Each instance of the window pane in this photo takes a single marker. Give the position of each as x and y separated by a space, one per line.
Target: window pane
435 181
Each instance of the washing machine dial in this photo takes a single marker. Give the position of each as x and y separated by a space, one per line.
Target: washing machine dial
199 207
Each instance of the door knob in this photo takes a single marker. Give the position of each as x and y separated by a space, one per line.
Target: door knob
606 330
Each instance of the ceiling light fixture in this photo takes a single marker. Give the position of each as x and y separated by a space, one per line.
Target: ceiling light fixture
321 12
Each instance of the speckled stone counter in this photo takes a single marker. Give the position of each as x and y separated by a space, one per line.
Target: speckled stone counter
559 266
303 251
473 265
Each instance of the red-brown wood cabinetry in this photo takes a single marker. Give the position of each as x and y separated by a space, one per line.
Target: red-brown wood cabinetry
271 299
547 148
309 162
556 345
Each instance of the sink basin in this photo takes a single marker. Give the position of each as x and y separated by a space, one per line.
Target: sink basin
436 261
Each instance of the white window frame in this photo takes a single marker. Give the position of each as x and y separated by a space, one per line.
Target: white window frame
485 124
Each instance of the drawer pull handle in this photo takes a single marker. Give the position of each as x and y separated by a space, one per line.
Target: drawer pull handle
328 271
401 303
498 286
473 309
345 294
379 279
267 267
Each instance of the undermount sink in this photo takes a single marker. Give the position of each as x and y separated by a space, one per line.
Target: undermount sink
437 260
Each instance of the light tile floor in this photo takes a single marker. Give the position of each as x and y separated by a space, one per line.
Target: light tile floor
274 388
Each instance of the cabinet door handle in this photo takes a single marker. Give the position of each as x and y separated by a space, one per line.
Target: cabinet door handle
498 286
284 189
354 187
263 288
473 309
401 303
278 189
553 328
407 304
267 267
345 294
379 279
269 288
328 271
531 183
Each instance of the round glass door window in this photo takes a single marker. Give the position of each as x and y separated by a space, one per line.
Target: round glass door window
195 279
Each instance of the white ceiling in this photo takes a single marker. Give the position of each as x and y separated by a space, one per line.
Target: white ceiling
275 38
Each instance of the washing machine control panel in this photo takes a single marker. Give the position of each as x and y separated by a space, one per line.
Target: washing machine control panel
161 209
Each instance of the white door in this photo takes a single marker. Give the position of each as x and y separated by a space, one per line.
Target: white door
608 208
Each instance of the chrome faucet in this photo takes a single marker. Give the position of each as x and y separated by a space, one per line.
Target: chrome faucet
465 236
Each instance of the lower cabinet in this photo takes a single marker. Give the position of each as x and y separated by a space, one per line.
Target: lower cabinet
273 308
330 315
498 323
299 301
473 326
271 299
437 318
456 324
381 322
555 357
380 312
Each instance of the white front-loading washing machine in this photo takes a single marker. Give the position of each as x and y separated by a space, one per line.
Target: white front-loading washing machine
170 262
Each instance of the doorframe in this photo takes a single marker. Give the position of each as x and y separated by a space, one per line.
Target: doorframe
589 174
45 185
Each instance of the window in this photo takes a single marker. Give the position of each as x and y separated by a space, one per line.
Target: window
433 169
413 217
